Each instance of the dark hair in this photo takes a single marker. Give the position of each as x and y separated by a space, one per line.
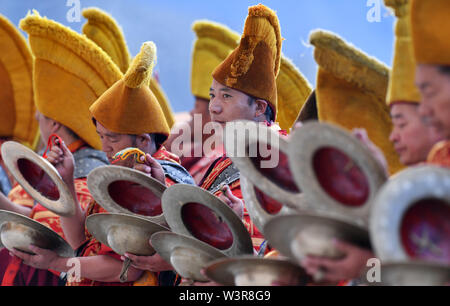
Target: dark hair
444 70
157 139
269 112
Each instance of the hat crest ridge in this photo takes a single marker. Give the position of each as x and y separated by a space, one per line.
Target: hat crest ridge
141 69
261 25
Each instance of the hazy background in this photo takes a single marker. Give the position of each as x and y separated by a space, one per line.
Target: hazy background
168 24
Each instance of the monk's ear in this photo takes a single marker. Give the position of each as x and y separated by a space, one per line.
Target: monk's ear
143 140
261 106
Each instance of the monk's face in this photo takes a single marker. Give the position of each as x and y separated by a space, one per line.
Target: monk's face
200 110
412 139
227 104
434 86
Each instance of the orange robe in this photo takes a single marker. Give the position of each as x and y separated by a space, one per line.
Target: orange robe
440 154
92 247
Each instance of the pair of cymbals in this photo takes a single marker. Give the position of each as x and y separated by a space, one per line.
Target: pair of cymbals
204 228
266 180
410 227
133 202
338 176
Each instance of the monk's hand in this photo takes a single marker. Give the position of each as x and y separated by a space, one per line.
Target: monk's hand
154 263
151 167
43 259
349 267
361 135
236 204
62 159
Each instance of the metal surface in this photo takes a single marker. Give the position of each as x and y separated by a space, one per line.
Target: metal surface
177 196
259 137
12 152
415 274
396 198
314 136
187 255
18 232
297 236
123 233
253 271
100 179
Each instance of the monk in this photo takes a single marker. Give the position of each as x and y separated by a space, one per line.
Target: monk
117 131
432 71
74 130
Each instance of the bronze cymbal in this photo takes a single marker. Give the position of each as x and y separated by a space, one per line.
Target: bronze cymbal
336 171
187 255
193 211
39 178
410 216
303 234
127 191
18 232
255 271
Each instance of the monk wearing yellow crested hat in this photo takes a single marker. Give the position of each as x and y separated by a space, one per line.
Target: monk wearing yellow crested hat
213 44
63 93
244 87
17 120
105 31
430 29
126 115
412 138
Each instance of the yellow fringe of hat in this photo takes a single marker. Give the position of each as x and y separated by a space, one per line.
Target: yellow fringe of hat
293 91
213 44
402 86
129 106
70 73
351 91
430 21
17 117
104 30
253 66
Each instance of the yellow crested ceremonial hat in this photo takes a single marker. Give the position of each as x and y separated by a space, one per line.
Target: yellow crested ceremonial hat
213 44
402 86
293 90
70 73
104 30
430 21
351 91
253 66
17 118
129 106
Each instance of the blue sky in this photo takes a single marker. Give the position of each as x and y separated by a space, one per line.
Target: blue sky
168 24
